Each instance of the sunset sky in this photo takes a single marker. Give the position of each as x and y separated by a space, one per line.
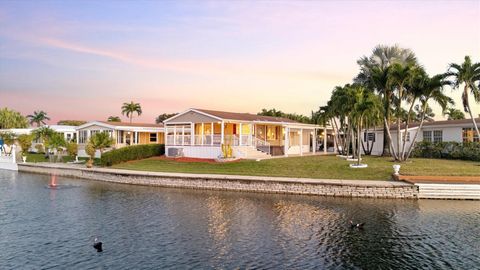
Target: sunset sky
83 59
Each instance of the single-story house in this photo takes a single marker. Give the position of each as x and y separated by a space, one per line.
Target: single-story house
438 131
200 133
69 133
124 134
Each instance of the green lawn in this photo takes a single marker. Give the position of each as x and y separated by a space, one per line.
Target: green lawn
35 157
326 167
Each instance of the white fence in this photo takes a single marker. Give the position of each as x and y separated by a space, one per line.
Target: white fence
8 159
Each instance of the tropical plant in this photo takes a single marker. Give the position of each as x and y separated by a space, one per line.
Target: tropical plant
38 117
39 147
429 114
12 119
72 149
7 137
374 72
164 116
55 141
128 109
366 106
43 133
114 119
467 74
101 140
90 150
454 114
25 142
71 122
293 116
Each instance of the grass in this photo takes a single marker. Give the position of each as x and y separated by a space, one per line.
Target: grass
37 157
326 167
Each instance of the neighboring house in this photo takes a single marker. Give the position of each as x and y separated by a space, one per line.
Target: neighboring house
437 131
200 133
124 134
68 132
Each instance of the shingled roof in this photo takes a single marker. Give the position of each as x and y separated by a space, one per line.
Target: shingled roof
246 116
460 122
127 124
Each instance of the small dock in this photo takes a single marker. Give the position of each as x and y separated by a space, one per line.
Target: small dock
445 187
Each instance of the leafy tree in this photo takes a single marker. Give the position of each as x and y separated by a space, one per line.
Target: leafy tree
55 141
7 137
162 117
292 116
38 117
114 119
12 119
25 142
128 109
43 133
71 122
467 74
454 114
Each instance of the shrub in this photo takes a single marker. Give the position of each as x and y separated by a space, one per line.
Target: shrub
133 152
448 150
40 148
25 141
72 149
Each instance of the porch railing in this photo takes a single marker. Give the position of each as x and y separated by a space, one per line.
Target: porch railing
262 145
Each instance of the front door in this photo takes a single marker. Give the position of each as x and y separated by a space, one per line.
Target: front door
234 129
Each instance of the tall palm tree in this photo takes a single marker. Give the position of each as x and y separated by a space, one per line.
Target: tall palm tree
454 114
367 105
374 72
129 108
38 117
431 90
467 74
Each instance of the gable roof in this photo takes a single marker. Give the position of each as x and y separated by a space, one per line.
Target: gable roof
126 124
245 116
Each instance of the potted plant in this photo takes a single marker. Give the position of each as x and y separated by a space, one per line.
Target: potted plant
90 150
72 149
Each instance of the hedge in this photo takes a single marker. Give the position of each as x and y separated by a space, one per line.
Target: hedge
133 152
448 150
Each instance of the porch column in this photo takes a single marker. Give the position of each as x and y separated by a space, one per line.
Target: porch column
192 133
77 138
301 142
325 139
136 137
202 132
89 133
211 134
287 141
314 142
222 133
334 142
183 135
240 136
175 135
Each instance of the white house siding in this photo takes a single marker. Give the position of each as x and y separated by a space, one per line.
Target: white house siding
210 152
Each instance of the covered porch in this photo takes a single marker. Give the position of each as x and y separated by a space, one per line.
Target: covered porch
271 138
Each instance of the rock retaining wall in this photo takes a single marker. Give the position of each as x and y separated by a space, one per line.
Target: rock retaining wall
341 188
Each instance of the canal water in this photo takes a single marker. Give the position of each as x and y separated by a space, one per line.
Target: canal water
164 228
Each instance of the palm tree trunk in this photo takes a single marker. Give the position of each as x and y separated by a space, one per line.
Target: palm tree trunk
359 153
392 148
412 144
402 155
470 110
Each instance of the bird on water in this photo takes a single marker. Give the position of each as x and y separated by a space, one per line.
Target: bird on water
97 245
356 225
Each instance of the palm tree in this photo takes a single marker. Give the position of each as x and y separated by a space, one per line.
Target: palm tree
367 105
429 114
101 140
129 108
467 74
432 89
114 119
374 73
38 117
454 114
